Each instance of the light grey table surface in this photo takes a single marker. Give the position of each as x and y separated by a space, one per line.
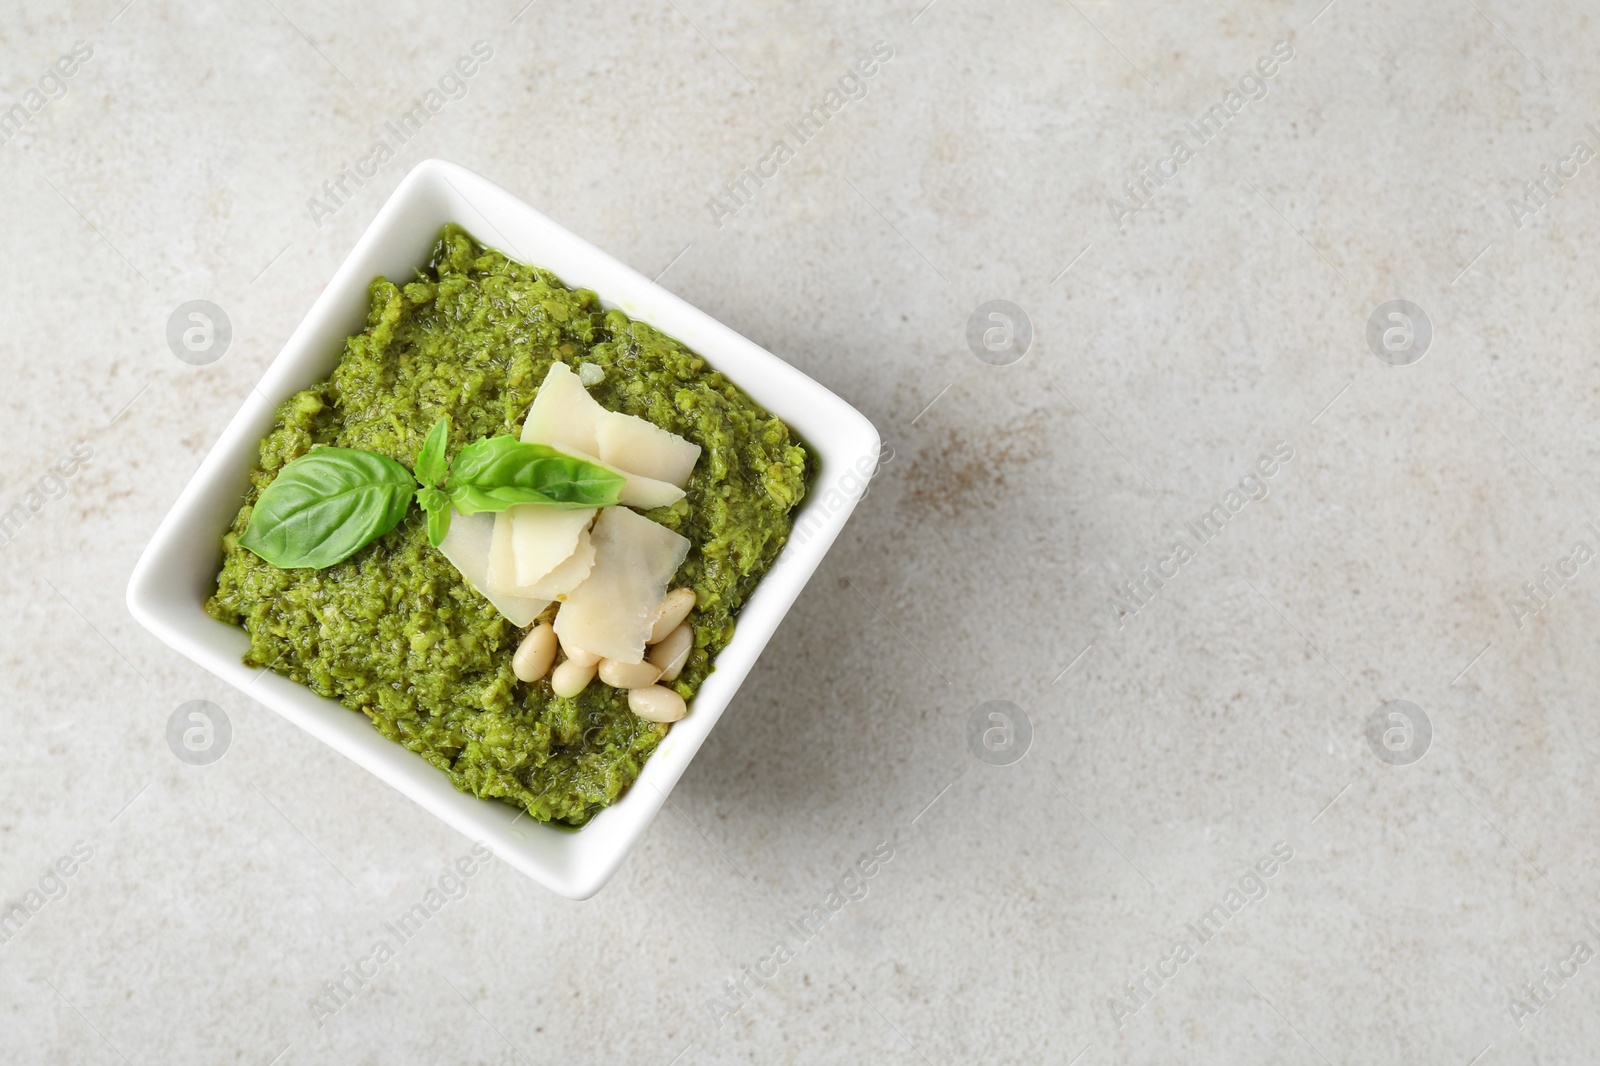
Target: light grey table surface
1040 909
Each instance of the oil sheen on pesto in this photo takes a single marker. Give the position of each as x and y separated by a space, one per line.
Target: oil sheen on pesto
396 633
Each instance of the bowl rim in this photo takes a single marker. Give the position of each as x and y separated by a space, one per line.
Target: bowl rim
169 583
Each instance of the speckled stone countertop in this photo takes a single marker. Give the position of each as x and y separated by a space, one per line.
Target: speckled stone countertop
1209 670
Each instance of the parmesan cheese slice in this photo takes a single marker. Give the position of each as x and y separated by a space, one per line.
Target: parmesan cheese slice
610 613
645 493
467 546
641 447
568 575
563 415
556 545
502 575
542 538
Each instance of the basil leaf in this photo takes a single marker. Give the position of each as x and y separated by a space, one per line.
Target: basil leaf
469 499
437 504
325 506
431 465
495 473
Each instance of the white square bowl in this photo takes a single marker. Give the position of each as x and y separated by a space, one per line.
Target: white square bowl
178 570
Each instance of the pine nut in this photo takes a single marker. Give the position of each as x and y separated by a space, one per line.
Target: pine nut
571 677
669 654
656 704
628 675
675 607
535 654
581 657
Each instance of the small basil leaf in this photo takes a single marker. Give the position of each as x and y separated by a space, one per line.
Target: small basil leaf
431 466
431 499
469 500
500 472
437 504
438 526
325 506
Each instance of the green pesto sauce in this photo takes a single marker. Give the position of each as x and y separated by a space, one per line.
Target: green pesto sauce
396 633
